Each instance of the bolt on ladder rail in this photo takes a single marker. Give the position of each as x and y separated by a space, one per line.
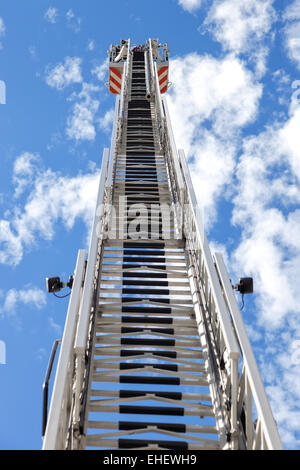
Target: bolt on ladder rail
154 353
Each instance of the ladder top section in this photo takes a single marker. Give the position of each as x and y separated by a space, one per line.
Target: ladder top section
119 53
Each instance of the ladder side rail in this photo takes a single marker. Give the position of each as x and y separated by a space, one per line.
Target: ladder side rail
59 417
224 366
155 94
81 339
155 91
79 427
173 188
174 160
124 81
219 316
152 79
147 75
112 154
82 330
118 119
222 422
46 384
265 416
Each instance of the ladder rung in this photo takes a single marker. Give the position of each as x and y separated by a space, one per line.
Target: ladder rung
140 327
127 352
135 379
99 364
94 406
149 321
132 425
158 393
140 444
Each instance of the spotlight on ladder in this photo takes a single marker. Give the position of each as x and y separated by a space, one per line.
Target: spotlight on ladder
245 286
148 97
54 284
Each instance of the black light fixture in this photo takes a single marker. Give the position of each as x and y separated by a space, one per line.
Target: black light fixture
54 284
245 285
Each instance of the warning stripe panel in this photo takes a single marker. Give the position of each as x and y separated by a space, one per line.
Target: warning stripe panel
116 78
163 86
163 78
114 91
116 72
113 88
162 70
115 81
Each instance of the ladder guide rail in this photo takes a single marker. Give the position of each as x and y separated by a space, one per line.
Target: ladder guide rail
58 418
250 374
46 384
157 330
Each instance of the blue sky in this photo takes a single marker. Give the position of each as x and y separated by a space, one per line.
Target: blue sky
235 110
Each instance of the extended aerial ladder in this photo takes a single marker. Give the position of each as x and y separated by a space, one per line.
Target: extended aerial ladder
154 353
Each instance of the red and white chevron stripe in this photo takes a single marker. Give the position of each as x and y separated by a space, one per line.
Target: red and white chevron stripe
163 78
115 80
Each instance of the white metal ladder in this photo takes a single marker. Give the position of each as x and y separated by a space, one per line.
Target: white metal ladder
155 350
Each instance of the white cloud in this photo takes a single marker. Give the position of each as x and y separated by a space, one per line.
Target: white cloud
64 74
73 21
55 326
32 51
259 58
222 92
52 198
292 31
281 77
91 45
216 247
30 295
41 353
293 42
283 401
23 172
2 27
267 209
51 15
211 171
253 333
209 102
80 124
237 25
70 15
101 70
11 251
279 357
242 27
190 5
106 121
2 30
292 11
